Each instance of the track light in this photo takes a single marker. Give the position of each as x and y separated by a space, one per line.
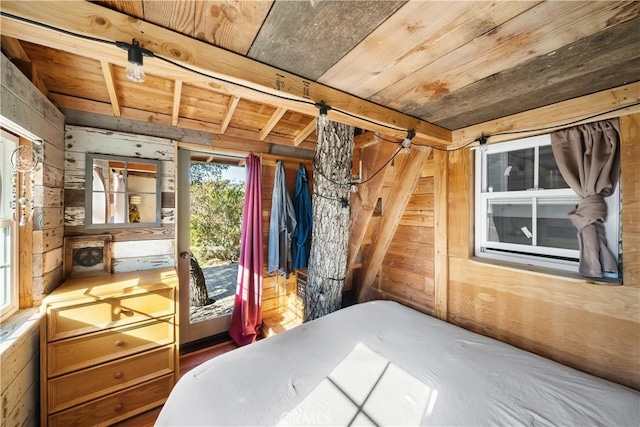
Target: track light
406 143
324 109
135 53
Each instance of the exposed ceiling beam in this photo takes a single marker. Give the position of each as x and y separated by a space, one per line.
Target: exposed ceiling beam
241 76
231 108
304 133
177 94
71 103
272 122
111 87
16 52
555 116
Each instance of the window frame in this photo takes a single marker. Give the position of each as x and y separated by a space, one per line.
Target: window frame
533 254
9 222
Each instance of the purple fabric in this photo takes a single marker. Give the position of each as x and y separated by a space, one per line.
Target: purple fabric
246 318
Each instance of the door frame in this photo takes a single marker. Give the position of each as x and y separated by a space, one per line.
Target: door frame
189 332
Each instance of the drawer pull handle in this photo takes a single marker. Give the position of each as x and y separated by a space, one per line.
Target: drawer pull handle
117 375
119 407
119 310
119 343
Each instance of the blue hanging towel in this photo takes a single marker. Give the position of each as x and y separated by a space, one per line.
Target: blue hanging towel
302 234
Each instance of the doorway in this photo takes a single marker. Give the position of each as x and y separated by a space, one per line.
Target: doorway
210 198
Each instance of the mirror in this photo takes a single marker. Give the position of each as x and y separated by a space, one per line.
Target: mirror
122 191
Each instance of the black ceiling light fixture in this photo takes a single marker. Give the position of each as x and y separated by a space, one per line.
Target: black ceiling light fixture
135 53
406 143
324 109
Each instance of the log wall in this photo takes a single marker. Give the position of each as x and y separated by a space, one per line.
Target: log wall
133 248
25 111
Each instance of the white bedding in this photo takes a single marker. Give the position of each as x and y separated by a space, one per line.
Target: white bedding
381 363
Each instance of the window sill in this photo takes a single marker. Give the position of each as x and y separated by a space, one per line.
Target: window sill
547 272
18 325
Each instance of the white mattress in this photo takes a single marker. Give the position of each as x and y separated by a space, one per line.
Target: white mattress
381 363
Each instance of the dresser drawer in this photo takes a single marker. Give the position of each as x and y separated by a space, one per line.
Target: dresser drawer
66 320
116 407
88 384
81 352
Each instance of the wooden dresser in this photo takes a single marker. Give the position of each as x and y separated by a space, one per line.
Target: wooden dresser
108 347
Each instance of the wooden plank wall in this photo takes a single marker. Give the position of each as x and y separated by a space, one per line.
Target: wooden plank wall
590 327
25 111
407 269
630 155
275 300
133 248
20 376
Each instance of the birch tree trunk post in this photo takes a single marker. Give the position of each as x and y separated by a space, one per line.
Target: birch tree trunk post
330 231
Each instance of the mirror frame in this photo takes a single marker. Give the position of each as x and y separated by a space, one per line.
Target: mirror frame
88 198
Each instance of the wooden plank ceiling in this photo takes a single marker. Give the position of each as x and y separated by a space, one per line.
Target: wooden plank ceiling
451 64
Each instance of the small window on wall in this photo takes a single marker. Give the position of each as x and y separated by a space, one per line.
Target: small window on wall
522 206
8 230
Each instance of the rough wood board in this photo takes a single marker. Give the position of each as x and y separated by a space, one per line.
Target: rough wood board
46 240
538 31
19 400
364 201
50 176
408 262
630 167
417 34
16 354
27 107
600 332
230 25
133 249
43 285
45 218
417 218
175 14
390 219
47 197
605 104
422 235
130 7
119 124
63 72
142 263
606 60
417 283
441 241
84 17
294 33
167 231
460 199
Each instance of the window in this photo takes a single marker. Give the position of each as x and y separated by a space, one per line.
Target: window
8 230
522 203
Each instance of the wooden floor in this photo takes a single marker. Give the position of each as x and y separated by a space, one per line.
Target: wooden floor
273 324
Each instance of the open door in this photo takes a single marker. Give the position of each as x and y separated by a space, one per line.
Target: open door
206 295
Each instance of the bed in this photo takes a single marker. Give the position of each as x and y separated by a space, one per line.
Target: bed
381 363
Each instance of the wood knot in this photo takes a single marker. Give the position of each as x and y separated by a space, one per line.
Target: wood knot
99 20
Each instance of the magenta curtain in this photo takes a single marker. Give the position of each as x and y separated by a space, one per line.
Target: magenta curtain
246 318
